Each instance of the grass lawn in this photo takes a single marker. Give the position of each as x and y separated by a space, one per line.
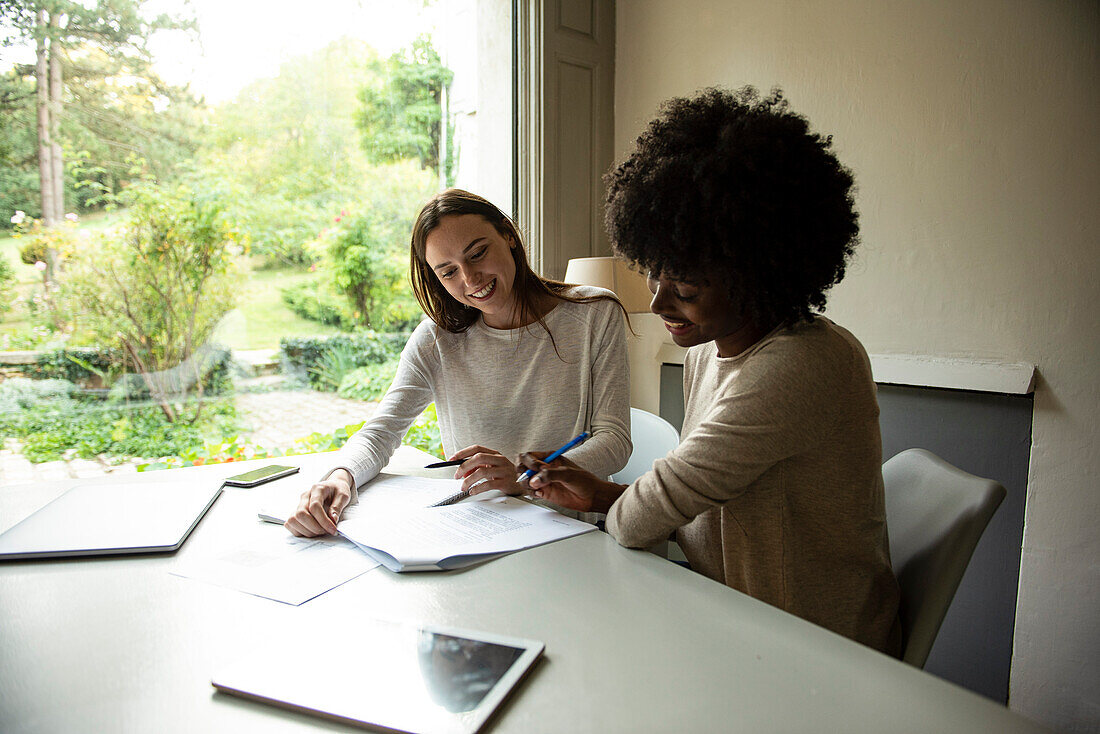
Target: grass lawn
261 317
259 321
9 250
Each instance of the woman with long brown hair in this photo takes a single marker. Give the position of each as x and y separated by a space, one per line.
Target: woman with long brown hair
511 359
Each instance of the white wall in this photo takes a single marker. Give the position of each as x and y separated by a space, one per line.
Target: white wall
973 130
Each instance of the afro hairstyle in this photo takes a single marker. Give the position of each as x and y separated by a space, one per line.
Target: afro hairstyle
734 187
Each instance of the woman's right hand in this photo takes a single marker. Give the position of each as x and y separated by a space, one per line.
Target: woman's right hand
567 485
485 469
320 507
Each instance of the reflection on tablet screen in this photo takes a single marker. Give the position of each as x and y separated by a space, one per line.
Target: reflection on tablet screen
459 671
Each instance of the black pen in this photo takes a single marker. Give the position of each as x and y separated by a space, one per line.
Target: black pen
439 464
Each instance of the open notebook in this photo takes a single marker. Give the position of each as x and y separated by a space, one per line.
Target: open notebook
400 523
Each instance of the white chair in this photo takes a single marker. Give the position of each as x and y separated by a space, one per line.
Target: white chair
935 515
653 437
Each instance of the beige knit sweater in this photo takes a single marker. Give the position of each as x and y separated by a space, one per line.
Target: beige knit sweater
776 486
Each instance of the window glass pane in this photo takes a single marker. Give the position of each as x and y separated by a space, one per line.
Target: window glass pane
206 216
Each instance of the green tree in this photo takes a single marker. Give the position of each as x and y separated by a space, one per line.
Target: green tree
120 123
116 31
18 148
365 271
367 247
157 287
288 149
404 109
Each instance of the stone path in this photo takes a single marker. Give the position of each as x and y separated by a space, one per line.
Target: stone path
276 418
272 419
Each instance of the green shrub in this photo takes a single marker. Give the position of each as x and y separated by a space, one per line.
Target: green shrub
335 364
7 286
157 285
318 442
369 382
33 251
76 364
424 433
21 393
300 355
279 225
46 248
367 253
312 302
83 364
59 426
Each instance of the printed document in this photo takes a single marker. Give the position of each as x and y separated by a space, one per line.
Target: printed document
395 523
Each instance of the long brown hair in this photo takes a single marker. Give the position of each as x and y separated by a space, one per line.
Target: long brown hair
529 287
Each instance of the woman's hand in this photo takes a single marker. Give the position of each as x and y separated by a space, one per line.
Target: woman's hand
566 484
321 505
485 469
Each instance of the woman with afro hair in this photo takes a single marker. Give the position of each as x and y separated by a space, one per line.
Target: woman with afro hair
743 218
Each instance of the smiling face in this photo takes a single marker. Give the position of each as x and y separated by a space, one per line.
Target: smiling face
697 311
473 262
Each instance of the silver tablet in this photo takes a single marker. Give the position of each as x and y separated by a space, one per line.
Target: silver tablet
392 677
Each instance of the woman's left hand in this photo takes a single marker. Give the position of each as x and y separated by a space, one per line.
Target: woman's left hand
485 469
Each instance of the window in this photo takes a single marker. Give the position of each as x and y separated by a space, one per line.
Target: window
222 240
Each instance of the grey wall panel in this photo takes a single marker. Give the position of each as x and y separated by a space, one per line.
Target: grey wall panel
988 435
672 394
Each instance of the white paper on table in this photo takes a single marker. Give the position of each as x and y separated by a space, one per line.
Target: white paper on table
386 493
453 536
395 523
266 560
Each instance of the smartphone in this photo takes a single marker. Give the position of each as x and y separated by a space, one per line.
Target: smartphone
259 476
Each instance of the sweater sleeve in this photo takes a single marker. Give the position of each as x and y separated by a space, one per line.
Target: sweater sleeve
609 447
774 408
370 448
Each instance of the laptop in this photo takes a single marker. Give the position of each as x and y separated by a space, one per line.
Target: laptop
111 518
390 676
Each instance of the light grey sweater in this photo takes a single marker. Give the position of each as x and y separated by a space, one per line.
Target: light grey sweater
508 390
776 486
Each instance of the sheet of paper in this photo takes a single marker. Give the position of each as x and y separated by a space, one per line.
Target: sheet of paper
395 516
397 493
265 560
422 537
385 493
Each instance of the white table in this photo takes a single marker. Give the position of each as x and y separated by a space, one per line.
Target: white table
633 643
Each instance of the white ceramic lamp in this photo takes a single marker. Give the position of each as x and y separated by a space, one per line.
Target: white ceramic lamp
616 276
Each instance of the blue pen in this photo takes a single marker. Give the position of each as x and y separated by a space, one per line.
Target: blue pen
531 472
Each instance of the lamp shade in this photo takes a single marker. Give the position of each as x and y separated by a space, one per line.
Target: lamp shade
613 274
